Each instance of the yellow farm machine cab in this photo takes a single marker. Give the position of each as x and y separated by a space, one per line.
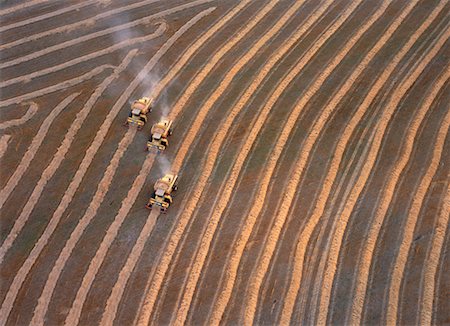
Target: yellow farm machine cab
159 135
162 191
138 113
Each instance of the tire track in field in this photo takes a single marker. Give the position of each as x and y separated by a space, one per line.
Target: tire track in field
60 155
402 254
340 148
73 26
22 6
10 297
4 144
51 89
17 122
138 40
77 305
36 143
226 193
388 194
370 161
150 299
47 15
65 45
103 187
112 304
119 287
320 272
428 288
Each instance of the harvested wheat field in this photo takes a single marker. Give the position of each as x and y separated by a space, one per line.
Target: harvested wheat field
310 139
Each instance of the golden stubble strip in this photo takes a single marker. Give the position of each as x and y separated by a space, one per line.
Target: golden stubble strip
21 6
78 24
213 152
109 314
157 280
60 154
74 314
74 7
306 233
193 86
36 143
57 87
80 173
4 139
360 183
102 189
410 224
118 289
431 264
17 122
388 193
92 36
201 255
108 50
12 292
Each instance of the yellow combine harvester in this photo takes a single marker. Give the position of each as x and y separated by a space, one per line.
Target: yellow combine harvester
159 134
139 110
163 189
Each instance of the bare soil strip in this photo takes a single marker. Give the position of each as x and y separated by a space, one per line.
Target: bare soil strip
126 43
17 122
51 89
112 304
11 295
226 193
75 311
195 127
73 26
24 22
97 200
72 42
60 154
337 156
428 289
14 180
410 224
